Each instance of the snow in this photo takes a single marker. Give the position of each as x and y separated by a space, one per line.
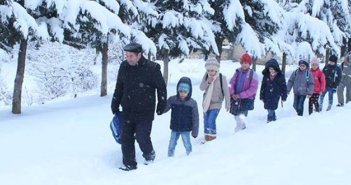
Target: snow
70 143
24 22
317 6
147 44
129 6
183 46
249 40
233 12
171 19
146 8
111 5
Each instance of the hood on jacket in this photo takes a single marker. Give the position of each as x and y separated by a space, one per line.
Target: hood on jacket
271 63
187 81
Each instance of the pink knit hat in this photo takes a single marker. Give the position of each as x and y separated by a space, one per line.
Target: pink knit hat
315 60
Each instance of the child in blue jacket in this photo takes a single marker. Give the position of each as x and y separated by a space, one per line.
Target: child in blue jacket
184 116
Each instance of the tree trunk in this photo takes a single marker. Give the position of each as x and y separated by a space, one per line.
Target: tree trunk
327 54
254 63
104 52
17 93
166 60
349 45
343 47
284 63
219 42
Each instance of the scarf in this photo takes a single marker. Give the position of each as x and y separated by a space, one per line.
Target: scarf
208 95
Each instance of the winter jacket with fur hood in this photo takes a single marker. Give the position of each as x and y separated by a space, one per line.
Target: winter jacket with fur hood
272 88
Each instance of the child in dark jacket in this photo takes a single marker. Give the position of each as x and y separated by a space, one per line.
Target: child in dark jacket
319 85
272 88
332 74
184 116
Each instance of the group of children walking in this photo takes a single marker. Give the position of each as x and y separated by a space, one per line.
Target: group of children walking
306 82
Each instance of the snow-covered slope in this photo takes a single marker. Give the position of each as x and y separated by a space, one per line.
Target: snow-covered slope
70 143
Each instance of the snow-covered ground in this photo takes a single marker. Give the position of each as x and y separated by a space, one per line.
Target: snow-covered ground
70 143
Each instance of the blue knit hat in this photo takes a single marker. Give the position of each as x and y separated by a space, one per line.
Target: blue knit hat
184 87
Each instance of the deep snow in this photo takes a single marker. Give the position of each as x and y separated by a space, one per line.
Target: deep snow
70 142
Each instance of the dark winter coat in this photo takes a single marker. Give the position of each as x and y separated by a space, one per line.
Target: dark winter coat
185 115
272 89
135 90
332 75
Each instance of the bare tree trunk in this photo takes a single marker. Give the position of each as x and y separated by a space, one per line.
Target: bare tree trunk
104 52
219 41
165 66
284 63
349 45
343 47
165 69
254 63
327 54
17 93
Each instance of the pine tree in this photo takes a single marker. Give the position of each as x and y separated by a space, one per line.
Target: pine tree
170 29
335 15
94 25
228 18
18 27
265 18
304 34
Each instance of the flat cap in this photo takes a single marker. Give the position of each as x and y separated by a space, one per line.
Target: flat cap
133 47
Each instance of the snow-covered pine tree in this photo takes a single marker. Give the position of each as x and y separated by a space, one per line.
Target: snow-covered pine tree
304 34
227 19
138 14
266 18
18 27
180 29
88 23
335 14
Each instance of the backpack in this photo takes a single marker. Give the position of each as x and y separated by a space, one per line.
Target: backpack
307 75
220 81
116 127
250 77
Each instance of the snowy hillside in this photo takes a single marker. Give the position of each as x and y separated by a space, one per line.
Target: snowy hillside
70 143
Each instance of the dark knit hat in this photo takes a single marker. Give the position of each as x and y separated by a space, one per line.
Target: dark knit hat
333 58
305 63
133 47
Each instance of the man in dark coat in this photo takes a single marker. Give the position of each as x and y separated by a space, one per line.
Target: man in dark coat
137 80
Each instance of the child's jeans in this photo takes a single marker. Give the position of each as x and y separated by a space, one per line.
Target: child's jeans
330 92
210 121
299 101
173 142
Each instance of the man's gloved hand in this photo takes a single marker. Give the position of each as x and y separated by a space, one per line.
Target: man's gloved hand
334 90
160 108
115 110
